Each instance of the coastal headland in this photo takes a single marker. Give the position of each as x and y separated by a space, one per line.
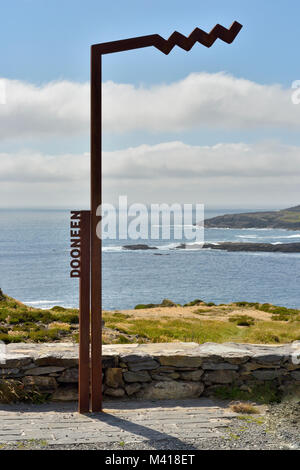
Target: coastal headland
288 219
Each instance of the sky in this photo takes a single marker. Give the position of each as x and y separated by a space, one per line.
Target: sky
218 126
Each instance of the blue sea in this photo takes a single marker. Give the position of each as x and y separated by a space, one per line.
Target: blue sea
34 266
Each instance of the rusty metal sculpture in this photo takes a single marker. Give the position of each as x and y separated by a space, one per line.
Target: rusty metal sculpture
90 269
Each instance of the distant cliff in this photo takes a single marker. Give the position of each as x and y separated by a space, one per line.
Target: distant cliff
286 219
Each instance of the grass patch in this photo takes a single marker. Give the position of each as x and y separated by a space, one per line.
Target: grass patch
164 303
20 323
244 408
44 336
13 391
283 313
251 419
160 330
242 320
259 393
122 340
194 302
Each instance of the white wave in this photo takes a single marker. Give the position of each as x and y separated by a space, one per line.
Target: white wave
291 236
112 248
274 237
171 246
249 236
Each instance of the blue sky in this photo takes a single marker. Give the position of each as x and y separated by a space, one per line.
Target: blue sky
43 40
45 61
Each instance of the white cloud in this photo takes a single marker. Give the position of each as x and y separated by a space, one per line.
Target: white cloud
266 173
213 100
58 108
29 167
178 160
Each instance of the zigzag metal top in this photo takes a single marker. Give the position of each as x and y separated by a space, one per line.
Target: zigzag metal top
176 39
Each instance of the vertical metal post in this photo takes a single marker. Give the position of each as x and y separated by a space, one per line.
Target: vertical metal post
84 314
96 245
97 50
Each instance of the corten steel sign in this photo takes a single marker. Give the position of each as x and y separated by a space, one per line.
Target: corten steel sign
87 264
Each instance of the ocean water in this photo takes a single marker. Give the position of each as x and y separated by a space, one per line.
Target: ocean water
34 266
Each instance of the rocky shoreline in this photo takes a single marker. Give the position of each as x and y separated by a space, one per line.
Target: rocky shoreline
228 246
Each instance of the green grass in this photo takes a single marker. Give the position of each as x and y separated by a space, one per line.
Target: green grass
13 391
19 323
242 320
201 331
194 302
123 340
259 393
164 303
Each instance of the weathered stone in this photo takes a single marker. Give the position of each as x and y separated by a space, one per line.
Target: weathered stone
268 358
180 361
171 390
133 388
109 361
250 366
137 362
210 390
58 359
267 374
193 376
172 375
115 392
67 393
114 377
296 374
29 366
165 369
43 370
234 353
123 365
14 361
162 377
220 376
69 376
40 383
237 360
292 366
139 376
218 366
9 372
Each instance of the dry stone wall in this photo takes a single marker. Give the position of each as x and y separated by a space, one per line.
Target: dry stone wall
153 371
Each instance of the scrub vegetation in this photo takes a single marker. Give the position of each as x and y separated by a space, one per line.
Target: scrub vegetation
198 321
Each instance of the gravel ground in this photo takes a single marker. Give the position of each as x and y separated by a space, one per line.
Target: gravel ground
284 420
278 428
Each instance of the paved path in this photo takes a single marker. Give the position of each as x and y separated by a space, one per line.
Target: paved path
123 422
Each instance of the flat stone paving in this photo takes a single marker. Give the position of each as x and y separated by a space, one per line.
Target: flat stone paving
123 421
